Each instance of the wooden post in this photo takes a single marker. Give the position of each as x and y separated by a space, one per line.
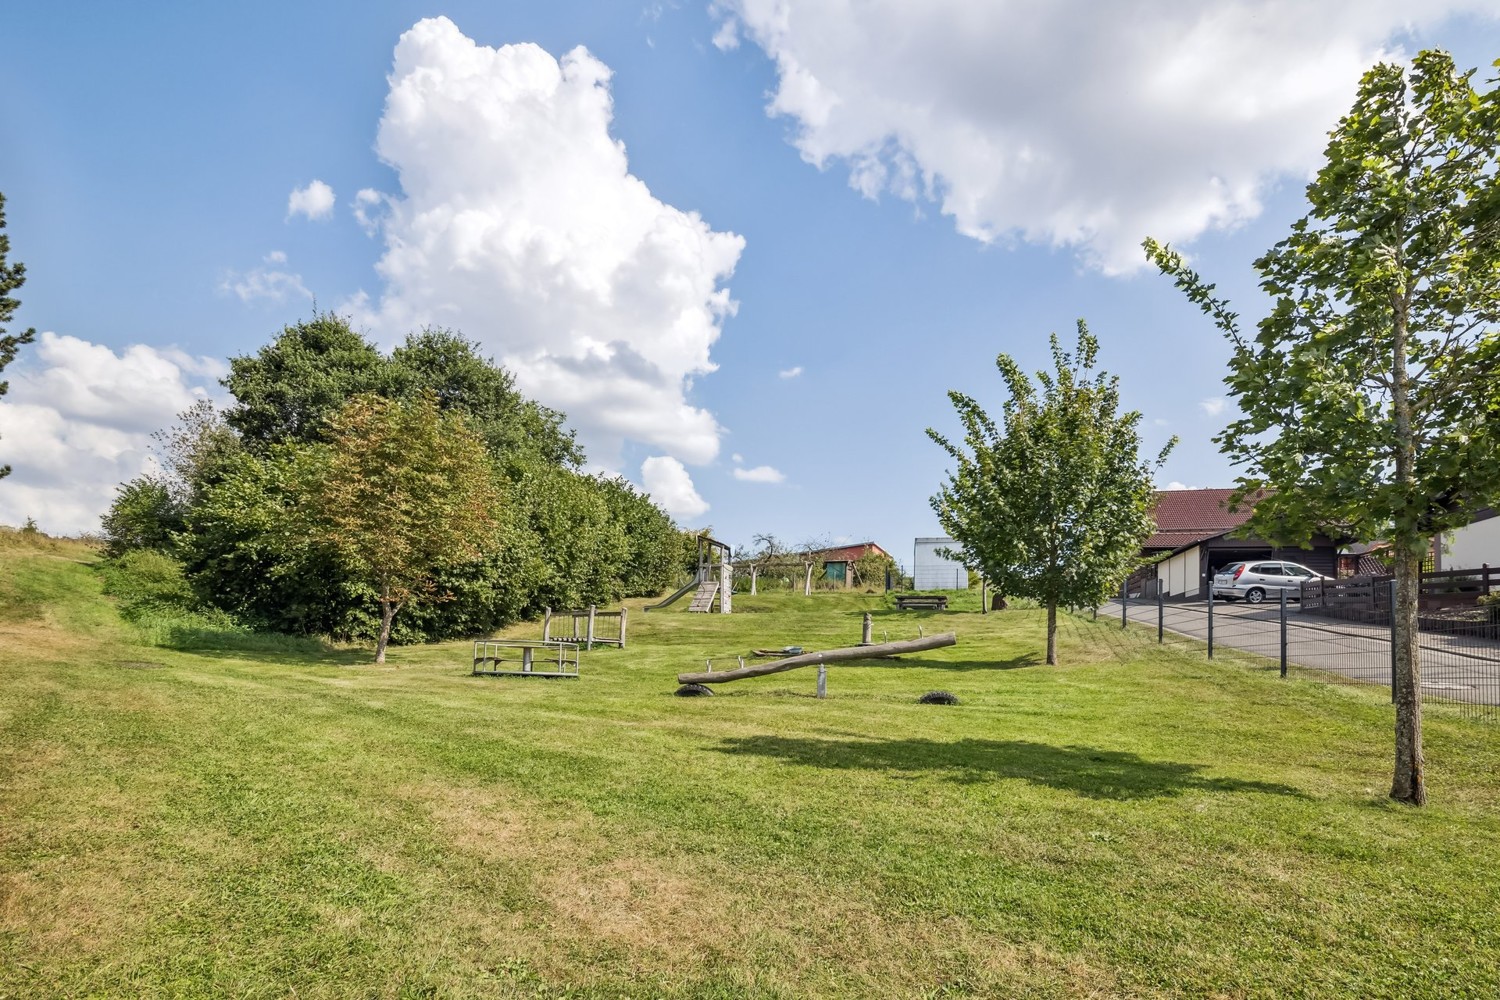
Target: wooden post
726 586
591 629
624 613
807 584
546 624
864 632
822 680
984 596
754 570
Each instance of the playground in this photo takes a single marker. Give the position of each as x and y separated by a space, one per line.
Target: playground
1134 822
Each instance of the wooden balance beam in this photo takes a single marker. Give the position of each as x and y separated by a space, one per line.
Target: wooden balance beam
825 656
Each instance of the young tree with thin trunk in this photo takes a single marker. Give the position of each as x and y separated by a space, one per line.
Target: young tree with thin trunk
12 277
1371 390
1054 504
404 492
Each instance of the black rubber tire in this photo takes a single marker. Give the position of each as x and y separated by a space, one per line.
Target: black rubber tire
694 691
939 698
1254 595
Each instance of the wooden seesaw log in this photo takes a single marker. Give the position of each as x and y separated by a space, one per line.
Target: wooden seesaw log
824 656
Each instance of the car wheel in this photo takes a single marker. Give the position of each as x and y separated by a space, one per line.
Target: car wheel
1255 595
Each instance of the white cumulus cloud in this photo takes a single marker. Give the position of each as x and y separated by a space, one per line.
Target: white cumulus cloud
78 420
518 222
314 201
760 474
1073 123
670 485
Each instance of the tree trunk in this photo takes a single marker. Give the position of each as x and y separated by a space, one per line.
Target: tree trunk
807 584
388 611
1052 633
754 572
1408 784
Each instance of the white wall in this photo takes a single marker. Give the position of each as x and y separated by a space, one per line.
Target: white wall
1179 574
1473 546
931 571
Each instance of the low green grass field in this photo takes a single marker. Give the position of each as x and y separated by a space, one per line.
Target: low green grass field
1136 822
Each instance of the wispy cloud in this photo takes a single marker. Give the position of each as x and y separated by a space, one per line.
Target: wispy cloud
760 474
265 282
790 372
1213 406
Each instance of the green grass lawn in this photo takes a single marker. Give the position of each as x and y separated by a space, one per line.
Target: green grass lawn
1136 822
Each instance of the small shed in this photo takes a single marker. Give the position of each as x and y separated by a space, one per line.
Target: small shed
932 571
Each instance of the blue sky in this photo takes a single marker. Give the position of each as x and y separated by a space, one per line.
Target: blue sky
889 197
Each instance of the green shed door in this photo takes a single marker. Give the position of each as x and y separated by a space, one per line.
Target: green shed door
835 571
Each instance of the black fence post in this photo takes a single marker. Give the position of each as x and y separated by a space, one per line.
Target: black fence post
1393 642
1160 616
1283 632
1124 603
1210 621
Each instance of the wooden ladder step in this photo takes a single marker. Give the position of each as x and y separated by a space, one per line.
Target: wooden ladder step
703 599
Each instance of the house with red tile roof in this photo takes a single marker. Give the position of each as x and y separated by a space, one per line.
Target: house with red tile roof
1197 533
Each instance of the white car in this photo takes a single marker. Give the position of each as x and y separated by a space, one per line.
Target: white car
1255 581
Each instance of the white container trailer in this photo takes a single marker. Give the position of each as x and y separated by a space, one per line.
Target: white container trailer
931 571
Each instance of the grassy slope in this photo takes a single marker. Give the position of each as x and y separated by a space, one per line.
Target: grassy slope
1136 822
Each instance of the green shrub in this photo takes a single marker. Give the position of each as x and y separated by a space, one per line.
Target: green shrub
156 598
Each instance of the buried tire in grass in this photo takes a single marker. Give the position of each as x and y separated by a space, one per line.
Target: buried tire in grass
938 698
694 691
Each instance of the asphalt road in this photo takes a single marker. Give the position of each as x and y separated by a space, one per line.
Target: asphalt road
1456 667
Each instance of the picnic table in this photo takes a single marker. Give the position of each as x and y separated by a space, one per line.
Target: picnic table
921 602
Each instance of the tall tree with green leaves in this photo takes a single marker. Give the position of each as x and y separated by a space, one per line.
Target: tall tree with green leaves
12 277
285 392
1371 390
405 491
1054 502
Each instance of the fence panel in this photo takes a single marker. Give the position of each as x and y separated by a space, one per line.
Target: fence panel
1460 654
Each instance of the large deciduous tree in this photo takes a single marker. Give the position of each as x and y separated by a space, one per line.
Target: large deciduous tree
1371 389
1054 501
12 277
405 491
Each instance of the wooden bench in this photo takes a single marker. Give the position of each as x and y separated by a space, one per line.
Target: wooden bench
921 602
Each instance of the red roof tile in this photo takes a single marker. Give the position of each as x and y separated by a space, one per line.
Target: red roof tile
1187 516
850 553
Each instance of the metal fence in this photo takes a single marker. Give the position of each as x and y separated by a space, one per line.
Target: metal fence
1460 657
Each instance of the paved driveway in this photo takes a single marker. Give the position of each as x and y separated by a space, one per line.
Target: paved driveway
1463 668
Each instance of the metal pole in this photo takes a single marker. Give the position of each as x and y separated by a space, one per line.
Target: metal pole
1160 616
591 628
1210 620
1124 603
1283 632
1393 642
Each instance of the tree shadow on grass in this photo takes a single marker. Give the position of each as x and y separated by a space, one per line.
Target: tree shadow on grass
1013 663
1086 771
